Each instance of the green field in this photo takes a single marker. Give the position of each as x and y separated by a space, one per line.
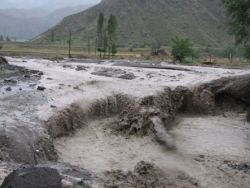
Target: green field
26 48
62 51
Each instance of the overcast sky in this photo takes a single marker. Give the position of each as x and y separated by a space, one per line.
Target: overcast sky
39 3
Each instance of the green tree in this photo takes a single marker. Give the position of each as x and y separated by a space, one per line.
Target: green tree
229 52
105 39
182 48
1 46
1 38
155 47
238 24
100 27
113 50
106 33
131 49
52 36
8 39
112 28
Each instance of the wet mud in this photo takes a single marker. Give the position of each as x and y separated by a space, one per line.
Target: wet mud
24 136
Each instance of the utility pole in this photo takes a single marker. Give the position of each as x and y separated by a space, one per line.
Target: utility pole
52 36
70 44
88 46
95 45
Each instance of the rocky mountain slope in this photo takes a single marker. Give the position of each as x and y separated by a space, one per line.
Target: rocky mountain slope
28 23
145 21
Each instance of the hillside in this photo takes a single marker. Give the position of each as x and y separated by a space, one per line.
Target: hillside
144 21
28 23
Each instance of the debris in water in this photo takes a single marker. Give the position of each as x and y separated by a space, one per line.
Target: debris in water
41 88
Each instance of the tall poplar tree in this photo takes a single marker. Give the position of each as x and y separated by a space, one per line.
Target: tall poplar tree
100 27
112 27
106 33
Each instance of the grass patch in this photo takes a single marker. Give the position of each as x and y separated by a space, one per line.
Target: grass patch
57 50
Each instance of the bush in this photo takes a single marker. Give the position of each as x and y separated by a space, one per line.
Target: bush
120 45
142 46
131 49
187 60
182 48
148 57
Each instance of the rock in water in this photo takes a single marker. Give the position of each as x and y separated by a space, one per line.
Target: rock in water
41 88
129 76
3 60
40 73
8 89
33 178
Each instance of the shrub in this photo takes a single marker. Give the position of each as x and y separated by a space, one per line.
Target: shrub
187 60
148 57
182 48
142 46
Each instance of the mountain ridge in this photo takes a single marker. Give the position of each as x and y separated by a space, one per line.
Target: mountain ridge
28 23
145 21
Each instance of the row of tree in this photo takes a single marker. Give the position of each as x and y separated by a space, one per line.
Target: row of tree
106 35
6 39
238 25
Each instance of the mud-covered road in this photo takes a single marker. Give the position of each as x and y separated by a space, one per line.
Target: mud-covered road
109 124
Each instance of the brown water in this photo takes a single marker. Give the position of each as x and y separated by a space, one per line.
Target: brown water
227 137
98 148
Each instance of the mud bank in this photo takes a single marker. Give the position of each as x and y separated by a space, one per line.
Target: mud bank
23 135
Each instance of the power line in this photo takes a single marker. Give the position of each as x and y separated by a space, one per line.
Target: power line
23 21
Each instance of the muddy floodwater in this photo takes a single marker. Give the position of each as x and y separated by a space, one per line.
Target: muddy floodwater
203 144
116 124
225 137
